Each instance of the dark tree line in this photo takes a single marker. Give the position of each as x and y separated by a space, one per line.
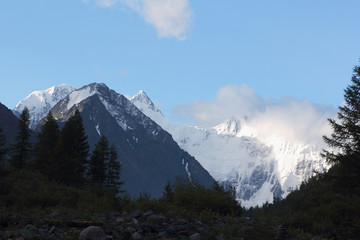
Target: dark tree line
21 150
345 138
62 155
327 206
104 168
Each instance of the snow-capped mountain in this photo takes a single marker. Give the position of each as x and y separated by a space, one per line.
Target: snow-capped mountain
233 152
148 154
39 103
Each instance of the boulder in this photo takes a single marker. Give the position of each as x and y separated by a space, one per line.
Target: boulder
92 233
195 236
29 232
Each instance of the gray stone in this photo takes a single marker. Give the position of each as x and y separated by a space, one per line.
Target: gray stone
135 221
195 236
130 229
156 218
119 220
136 236
52 229
148 213
52 237
220 237
29 232
136 214
92 233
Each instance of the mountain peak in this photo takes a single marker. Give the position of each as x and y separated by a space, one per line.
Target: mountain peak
142 97
144 103
39 103
229 127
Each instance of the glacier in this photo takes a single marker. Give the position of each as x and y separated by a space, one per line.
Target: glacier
235 153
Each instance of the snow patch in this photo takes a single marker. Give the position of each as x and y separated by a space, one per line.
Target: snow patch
122 124
187 171
136 139
40 103
98 129
77 96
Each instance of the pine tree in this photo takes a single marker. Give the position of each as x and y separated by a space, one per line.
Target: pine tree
346 134
21 150
168 193
71 152
113 168
99 157
45 147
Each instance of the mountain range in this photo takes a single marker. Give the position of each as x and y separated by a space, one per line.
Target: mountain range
153 150
233 152
149 156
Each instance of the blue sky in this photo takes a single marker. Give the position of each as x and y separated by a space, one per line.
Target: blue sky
181 52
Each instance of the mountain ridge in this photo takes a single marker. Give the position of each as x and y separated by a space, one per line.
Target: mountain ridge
148 154
233 152
39 103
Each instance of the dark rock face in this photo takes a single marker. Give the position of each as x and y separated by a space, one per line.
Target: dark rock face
8 123
148 154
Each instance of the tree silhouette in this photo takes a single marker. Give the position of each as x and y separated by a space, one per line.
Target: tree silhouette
99 157
21 150
346 135
71 152
45 147
113 168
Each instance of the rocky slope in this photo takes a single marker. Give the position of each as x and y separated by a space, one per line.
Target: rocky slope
148 154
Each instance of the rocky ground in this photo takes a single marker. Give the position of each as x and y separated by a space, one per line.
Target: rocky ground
119 225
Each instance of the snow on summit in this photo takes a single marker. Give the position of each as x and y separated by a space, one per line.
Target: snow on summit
77 96
39 103
235 152
261 166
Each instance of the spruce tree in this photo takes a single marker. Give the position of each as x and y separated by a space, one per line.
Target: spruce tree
113 168
345 138
99 157
45 147
71 152
21 150
168 193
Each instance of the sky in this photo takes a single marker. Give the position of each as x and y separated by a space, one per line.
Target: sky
197 60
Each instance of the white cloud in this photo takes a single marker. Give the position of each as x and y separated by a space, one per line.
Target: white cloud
290 118
106 3
171 18
230 101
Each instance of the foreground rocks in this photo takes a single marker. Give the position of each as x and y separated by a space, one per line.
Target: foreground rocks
113 226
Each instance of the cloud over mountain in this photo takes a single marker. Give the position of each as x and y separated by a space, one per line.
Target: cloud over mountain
289 118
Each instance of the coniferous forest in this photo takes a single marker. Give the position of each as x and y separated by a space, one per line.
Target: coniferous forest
59 184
